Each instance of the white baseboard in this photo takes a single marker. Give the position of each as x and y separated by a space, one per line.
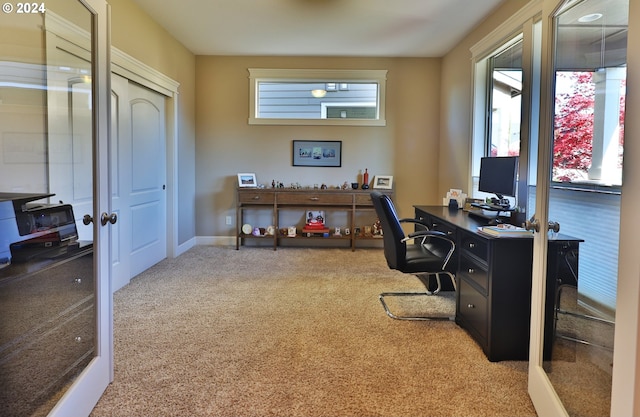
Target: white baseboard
182 248
216 240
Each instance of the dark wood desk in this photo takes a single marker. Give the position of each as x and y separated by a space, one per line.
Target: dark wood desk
493 276
47 334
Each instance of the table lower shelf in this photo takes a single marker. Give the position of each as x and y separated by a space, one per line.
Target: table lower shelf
277 240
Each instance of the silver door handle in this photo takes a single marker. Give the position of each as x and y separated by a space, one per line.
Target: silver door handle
532 225
108 218
87 220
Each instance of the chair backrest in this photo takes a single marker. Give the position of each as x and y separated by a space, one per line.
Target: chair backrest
395 250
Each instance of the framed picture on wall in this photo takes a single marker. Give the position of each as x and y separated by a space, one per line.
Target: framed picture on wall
316 153
383 182
247 180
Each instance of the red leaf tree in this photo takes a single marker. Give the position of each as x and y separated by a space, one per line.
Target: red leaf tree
573 127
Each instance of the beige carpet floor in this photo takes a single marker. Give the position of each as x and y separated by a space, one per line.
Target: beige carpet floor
293 332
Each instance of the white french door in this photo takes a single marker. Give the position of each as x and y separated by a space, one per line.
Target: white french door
84 393
583 95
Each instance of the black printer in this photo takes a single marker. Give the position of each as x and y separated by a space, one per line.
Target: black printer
29 229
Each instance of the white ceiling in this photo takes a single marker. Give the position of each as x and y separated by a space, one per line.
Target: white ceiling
374 28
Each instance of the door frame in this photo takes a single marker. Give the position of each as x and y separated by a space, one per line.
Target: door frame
541 391
625 399
87 389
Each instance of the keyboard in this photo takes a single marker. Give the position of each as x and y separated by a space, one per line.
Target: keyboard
491 207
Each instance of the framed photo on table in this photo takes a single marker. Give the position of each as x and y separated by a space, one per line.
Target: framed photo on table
317 153
383 182
247 180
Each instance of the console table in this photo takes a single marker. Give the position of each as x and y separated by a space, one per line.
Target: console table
493 302
276 199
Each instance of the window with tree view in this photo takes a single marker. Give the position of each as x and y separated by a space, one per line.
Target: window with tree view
505 101
590 91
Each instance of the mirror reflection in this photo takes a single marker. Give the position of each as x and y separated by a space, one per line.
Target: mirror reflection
46 187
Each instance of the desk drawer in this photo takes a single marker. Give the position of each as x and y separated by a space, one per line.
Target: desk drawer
473 311
363 200
315 198
475 245
256 197
474 271
26 304
436 224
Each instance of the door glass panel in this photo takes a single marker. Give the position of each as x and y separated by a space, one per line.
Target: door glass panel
47 292
586 167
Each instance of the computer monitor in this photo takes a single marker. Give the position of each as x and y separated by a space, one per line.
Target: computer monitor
499 176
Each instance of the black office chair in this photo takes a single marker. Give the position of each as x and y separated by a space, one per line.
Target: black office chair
426 257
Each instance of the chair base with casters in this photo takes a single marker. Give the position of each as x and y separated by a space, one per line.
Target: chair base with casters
425 280
569 280
426 256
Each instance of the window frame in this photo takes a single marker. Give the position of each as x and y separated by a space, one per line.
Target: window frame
258 75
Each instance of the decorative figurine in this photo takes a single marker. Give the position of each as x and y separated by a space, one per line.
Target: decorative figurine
315 220
377 228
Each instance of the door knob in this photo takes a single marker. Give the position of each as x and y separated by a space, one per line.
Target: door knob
532 225
87 220
108 218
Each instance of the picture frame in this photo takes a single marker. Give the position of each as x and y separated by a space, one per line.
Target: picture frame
317 153
247 179
383 182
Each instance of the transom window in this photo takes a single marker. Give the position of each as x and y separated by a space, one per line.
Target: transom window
315 97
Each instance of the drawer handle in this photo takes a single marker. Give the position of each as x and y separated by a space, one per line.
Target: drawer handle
314 198
471 305
77 281
78 339
472 245
471 271
256 197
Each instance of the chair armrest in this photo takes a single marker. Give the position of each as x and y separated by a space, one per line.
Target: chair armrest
417 222
428 233
448 246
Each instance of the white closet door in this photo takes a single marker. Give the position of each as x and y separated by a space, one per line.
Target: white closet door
138 161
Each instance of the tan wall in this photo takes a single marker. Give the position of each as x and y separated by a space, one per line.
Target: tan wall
455 105
135 33
406 148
